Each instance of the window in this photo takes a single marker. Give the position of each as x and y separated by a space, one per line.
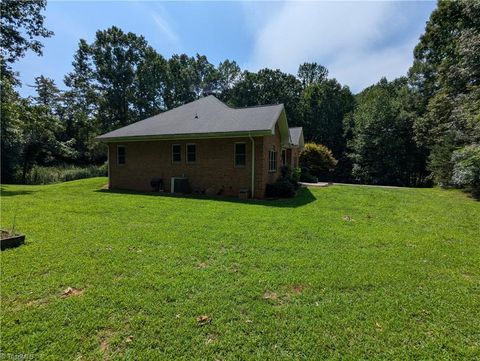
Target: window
240 154
120 154
176 153
284 157
272 160
191 153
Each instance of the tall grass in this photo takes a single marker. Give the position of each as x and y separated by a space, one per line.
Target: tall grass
47 175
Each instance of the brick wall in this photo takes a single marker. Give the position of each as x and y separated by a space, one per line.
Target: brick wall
213 172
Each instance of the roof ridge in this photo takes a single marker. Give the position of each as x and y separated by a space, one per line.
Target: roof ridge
256 106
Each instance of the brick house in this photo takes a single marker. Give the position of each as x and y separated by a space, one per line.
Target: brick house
216 149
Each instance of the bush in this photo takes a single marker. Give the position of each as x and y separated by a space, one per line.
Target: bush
283 188
286 185
317 159
47 175
466 169
296 173
306 177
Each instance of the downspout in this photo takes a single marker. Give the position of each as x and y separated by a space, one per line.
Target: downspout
108 164
253 164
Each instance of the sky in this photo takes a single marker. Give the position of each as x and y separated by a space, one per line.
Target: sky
359 42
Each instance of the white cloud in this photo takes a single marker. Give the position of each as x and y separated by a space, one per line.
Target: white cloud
161 18
353 39
165 28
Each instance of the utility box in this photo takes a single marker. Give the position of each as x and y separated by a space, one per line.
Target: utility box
157 184
243 193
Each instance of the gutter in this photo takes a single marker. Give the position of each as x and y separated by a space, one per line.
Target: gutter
253 165
107 139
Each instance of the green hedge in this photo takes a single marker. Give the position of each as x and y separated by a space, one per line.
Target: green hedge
47 175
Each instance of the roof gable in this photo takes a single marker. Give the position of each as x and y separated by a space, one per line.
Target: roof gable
296 137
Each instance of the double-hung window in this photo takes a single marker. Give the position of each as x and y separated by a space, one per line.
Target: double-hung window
191 153
240 154
176 153
120 154
272 160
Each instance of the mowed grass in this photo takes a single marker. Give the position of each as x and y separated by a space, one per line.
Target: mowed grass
342 272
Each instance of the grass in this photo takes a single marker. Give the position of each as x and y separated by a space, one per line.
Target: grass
341 272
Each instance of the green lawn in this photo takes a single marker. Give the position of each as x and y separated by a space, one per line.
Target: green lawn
342 272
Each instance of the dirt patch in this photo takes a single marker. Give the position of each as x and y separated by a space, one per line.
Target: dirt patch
298 289
202 265
129 339
38 302
268 295
72 292
134 249
104 344
203 320
6 234
212 338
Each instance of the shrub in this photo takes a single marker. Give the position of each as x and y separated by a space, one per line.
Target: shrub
286 185
47 175
306 177
281 188
466 169
317 159
296 173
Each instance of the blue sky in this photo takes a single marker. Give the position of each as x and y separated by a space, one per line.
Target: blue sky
359 42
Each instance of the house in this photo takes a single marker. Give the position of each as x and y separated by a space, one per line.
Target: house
216 149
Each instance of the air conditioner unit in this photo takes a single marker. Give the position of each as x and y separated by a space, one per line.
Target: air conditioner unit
179 185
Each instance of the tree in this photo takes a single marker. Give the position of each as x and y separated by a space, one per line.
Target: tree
267 87
309 73
229 73
182 77
207 76
81 81
382 148
21 24
11 109
466 168
446 77
116 57
323 106
48 93
80 107
151 83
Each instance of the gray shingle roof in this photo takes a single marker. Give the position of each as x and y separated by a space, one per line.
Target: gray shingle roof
296 136
201 117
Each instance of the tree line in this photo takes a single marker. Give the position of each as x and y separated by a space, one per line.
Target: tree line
417 130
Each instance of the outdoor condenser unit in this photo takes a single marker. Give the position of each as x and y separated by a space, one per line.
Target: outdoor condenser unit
180 185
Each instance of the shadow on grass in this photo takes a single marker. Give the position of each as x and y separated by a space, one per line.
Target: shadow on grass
303 197
7 193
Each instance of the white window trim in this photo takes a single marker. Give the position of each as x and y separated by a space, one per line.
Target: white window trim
284 159
175 161
275 162
235 155
186 153
125 155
